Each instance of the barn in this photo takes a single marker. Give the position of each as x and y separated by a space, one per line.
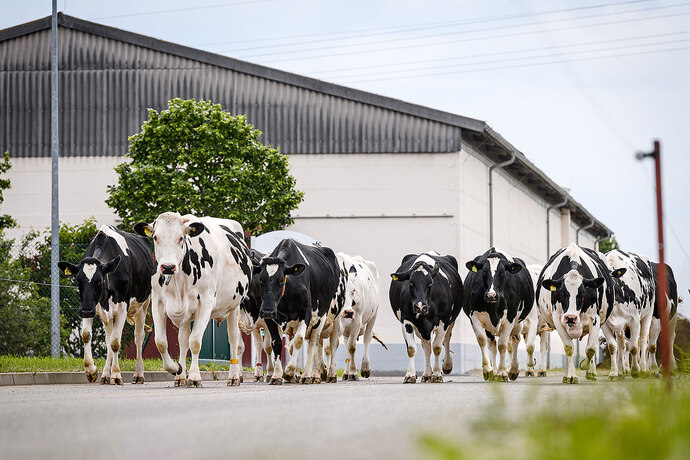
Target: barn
382 177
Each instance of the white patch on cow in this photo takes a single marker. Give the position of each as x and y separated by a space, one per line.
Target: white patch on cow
426 259
505 254
493 266
422 269
89 270
271 269
306 261
119 239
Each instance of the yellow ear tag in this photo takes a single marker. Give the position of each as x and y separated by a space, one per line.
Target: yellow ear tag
68 271
148 231
474 269
553 288
395 277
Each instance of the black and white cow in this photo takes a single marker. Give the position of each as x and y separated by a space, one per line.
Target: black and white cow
202 272
298 285
575 296
671 308
426 297
633 306
113 278
499 295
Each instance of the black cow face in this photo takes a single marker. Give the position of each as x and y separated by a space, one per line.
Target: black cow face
421 278
493 273
90 275
273 275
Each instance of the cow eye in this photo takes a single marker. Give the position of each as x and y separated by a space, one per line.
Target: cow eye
179 241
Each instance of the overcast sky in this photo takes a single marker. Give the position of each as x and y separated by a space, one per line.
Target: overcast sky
577 86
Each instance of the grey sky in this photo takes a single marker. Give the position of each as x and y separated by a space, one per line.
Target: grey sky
579 92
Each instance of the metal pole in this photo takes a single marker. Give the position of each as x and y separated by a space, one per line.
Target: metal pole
55 221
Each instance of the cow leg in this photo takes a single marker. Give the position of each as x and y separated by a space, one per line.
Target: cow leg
183 334
333 341
310 376
355 327
514 371
645 323
635 347
543 350
275 338
366 339
160 330
119 317
620 355
613 348
236 343
202 318
672 330
139 320
447 360
589 362
570 374
268 349
654 331
408 335
436 348
426 348
258 348
530 344
295 346
503 339
483 342
105 375
494 352
89 366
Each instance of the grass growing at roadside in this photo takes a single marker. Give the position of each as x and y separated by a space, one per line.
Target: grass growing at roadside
636 421
24 364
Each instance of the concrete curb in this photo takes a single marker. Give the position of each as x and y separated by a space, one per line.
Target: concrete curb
72 378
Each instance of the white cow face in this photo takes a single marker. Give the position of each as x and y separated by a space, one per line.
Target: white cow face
351 294
171 233
573 295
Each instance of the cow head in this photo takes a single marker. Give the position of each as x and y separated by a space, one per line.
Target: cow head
421 278
170 232
351 294
273 275
492 274
576 295
90 275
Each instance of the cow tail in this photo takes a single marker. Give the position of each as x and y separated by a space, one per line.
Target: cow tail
379 341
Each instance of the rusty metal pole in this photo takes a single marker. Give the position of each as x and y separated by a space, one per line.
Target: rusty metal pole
661 272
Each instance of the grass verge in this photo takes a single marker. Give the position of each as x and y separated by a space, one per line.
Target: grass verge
24 364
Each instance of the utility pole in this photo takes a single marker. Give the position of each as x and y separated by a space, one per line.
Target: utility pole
661 270
55 217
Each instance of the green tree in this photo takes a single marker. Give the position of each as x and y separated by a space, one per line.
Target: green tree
6 221
608 244
196 158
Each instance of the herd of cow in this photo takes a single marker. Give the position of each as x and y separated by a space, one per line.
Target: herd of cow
201 269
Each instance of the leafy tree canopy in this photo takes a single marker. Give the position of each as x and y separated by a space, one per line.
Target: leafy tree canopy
608 244
6 221
196 158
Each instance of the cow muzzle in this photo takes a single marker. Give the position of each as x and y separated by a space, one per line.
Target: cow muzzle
349 313
268 314
491 297
573 326
421 308
570 320
168 269
87 313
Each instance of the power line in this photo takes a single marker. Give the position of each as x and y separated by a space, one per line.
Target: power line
497 53
427 25
464 32
178 10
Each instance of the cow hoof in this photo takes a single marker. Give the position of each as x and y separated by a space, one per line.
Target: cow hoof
194 383
410 379
613 378
105 380
345 376
353 377
541 374
324 375
366 374
513 375
584 364
277 381
92 377
569 379
288 378
425 378
636 374
137 379
116 381
258 378
436 379
331 379
179 369
529 373
501 378
317 380
488 376
234 382
306 380
591 376
180 382
447 370
241 379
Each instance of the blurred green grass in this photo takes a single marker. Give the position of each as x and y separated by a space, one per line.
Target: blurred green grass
26 364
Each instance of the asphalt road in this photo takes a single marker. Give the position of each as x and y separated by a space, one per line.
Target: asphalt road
375 418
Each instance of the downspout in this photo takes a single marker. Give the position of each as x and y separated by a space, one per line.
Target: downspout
548 225
509 161
586 227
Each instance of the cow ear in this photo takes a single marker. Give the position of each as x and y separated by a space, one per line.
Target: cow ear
294 270
255 257
68 268
434 272
594 282
111 266
400 276
514 268
550 285
257 268
143 229
619 272
195 229
473 266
